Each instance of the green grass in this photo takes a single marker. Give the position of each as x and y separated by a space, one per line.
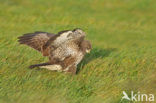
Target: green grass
123 35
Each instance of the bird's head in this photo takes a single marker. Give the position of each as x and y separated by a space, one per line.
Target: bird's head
78 32
86 46
71 34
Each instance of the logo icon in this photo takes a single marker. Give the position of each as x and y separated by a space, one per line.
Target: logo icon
125 96
137 97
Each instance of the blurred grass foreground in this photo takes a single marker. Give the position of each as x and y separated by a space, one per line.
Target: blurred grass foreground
123 58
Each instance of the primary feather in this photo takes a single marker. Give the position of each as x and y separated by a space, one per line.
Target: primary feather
35 40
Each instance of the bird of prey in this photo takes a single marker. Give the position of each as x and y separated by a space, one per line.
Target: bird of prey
65 49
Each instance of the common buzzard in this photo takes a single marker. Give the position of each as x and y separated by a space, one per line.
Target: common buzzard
65 49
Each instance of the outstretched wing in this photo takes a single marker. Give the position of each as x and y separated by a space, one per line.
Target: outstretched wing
35 40
44 42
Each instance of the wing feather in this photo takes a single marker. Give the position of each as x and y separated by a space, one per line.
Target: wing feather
35 40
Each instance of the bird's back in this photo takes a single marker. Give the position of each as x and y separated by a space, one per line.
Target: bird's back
70 48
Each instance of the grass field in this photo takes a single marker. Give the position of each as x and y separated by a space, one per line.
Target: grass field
123 58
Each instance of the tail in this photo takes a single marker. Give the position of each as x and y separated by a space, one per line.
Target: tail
38 65
48 66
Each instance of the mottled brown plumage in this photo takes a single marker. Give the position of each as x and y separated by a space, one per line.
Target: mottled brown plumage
65 49
78 51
